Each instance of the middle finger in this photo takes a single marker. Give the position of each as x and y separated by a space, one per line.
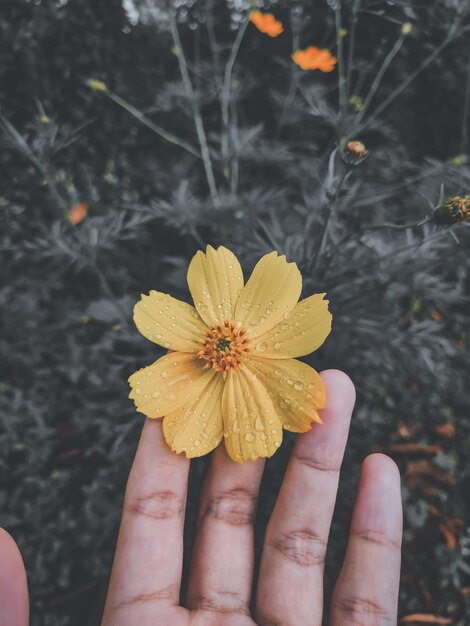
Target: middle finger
222 561
290 589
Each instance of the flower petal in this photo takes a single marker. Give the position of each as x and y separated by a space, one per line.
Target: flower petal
196 429
168 384
301 332
215 280
296 390
252 428
169 322
271 293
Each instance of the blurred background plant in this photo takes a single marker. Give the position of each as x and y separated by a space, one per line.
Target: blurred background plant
136 131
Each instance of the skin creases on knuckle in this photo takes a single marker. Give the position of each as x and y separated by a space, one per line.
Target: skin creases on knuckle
362 611
322 463
302 547
166 593
159 505
235 507
378 538
221 601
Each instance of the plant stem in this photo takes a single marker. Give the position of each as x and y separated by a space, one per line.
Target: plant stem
368 266
326 223
466 111
352 43
423 221
226 94
341 77
153 127
201 133
378 78
396 92
23 146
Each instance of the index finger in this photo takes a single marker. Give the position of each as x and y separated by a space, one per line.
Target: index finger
149 555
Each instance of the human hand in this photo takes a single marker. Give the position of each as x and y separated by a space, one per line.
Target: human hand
145 583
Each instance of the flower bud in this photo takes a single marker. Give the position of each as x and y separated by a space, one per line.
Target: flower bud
97 85
455 210
353 151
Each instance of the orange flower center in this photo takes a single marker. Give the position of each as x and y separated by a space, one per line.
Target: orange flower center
223 346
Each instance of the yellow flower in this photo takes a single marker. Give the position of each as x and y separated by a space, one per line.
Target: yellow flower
231 372
313 58
266 23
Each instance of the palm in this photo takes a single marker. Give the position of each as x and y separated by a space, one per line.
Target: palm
145 583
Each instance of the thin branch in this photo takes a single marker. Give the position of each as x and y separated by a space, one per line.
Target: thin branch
227 92
379 76
466 110
339 52
352 43
201 133
164 134
396 92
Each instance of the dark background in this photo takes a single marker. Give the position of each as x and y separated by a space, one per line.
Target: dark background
399 296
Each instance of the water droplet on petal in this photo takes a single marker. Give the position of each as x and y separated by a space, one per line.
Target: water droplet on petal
164 374
197 442
261 347
259 423
250 437
298 385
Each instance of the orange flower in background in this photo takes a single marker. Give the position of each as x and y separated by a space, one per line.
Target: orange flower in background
266 23
313 58
78 213
232 371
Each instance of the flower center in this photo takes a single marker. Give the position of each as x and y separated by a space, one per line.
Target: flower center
223 346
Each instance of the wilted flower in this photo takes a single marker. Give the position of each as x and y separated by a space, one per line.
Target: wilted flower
455 210
231 371
313 58
97 85
266 23
78 213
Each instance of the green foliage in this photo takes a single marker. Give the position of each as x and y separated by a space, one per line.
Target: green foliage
209 133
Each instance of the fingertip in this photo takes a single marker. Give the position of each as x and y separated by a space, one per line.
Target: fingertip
340 389
382 467
13 584
379 503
